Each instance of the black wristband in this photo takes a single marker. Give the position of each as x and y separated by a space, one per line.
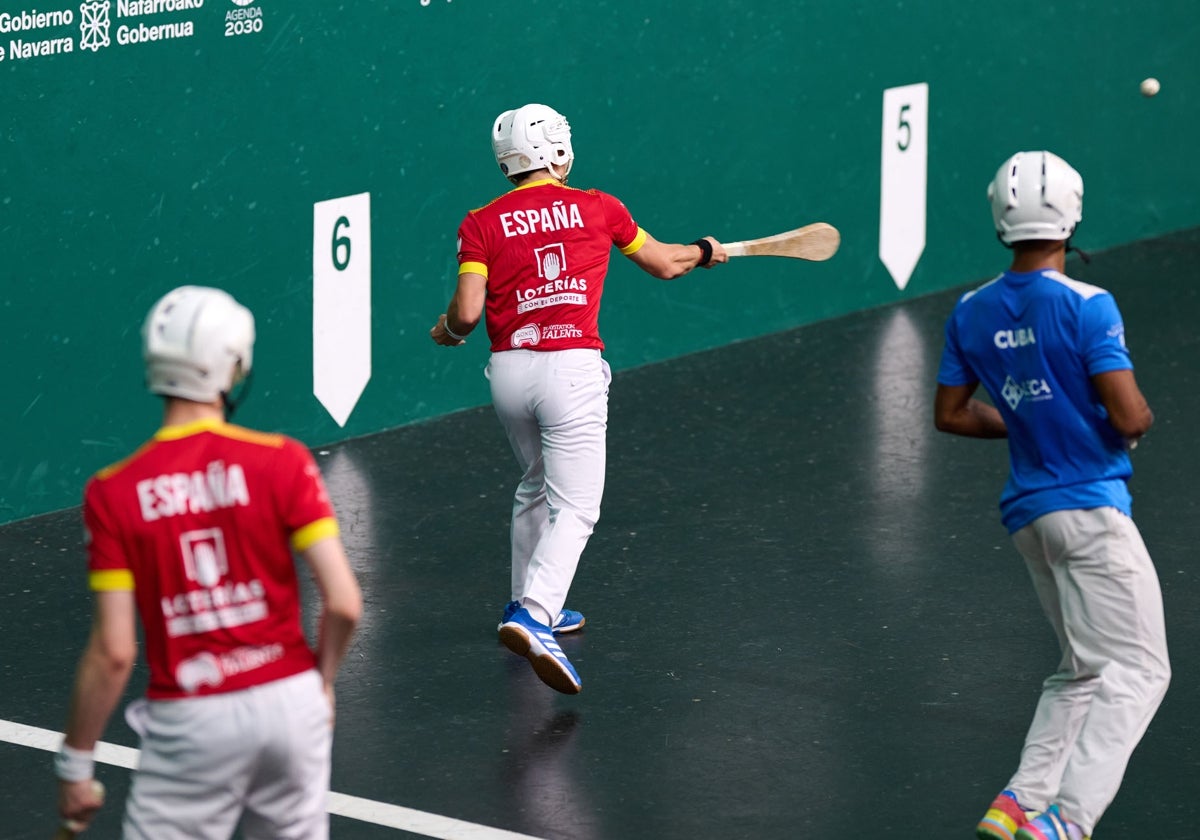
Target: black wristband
705 251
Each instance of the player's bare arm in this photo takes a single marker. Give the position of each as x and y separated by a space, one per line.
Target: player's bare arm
341 605
956 411
103 671
464 311
1128 411
667 261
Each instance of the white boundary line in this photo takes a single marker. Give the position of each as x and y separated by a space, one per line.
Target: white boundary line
354 807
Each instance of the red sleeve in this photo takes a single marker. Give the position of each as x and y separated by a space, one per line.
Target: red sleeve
107 561
305 507
621 226
100 531
471 248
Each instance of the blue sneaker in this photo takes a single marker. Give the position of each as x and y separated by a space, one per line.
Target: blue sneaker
526 637
1051 826
568 621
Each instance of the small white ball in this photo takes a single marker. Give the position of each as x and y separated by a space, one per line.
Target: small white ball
1150 86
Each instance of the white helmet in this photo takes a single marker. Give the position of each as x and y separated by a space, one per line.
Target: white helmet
197 343
530 138
1036 195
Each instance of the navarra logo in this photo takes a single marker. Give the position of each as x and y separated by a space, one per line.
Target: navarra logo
94 25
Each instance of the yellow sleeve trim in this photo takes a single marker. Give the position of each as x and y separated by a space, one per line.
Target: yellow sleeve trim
473 268
111 580
314 532
636 245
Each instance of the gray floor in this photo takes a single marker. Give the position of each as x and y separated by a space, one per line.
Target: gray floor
805 619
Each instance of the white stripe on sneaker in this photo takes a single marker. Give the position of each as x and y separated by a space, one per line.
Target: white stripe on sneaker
551 645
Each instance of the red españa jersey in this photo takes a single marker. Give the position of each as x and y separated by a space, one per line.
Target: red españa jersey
544 249
199 523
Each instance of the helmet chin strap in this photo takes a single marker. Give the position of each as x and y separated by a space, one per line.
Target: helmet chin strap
232 400
1083 255
553 169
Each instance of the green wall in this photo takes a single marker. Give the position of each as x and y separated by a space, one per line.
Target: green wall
131 168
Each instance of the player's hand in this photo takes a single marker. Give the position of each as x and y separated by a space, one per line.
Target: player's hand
440 336
78 803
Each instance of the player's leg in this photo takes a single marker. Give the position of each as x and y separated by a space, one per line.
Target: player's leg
1113 610
509 377
1046 545
530 516
194 767
288 796
572 407
573 415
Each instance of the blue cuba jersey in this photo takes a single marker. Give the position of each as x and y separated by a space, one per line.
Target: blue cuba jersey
1033 341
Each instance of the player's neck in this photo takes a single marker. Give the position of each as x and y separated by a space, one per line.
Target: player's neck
553 172
1036 256
178 412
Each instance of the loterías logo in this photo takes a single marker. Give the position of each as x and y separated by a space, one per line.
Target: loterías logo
242 2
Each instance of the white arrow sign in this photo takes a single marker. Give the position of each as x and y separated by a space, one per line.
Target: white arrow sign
341 302
903 179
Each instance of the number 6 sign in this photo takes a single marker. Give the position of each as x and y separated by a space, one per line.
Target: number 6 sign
341 302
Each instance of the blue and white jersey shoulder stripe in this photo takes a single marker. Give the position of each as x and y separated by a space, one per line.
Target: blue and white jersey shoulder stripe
974 291
1084 290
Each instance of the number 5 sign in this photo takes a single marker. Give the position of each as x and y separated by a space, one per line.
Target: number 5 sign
903 180
341 302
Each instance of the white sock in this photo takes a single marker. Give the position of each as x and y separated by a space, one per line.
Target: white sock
537 612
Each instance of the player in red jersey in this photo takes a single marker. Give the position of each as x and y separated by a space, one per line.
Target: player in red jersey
194 534
536 259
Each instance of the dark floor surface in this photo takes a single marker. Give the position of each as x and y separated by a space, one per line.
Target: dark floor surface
804 617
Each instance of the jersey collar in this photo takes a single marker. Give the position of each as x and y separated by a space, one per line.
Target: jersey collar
538 183
183 430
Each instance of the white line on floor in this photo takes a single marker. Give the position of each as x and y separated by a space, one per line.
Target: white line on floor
354 807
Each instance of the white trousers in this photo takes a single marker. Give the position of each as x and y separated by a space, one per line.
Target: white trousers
259 755
554 408
1098 587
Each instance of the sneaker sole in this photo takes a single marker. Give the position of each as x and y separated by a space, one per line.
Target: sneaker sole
568 628
545 666
994 830
1060 832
